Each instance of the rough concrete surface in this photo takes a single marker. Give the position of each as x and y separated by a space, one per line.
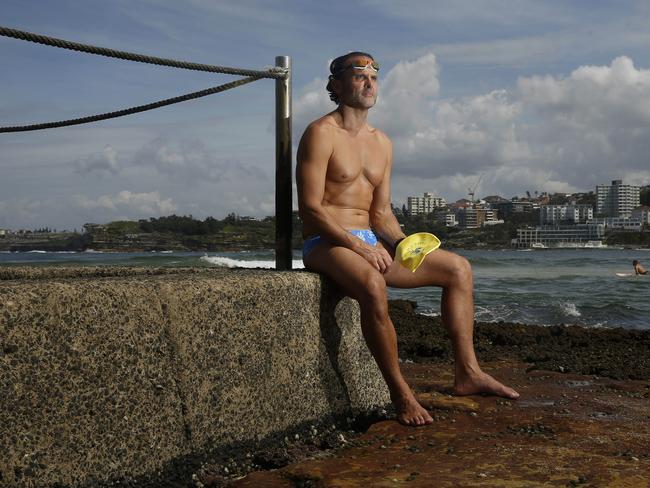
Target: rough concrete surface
120 376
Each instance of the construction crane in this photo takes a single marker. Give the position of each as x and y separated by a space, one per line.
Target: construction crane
472 191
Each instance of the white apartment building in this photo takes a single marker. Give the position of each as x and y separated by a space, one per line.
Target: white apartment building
617 199
622 223
424 204
559 236
554 214
642 213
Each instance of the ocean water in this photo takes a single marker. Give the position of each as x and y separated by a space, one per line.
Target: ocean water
546 287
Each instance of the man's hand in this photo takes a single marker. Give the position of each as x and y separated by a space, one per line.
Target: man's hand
377 256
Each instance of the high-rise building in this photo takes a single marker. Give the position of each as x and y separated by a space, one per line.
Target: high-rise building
617 199
553 214
425 204
473 217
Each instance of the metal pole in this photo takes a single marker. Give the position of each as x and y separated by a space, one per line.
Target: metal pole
283 187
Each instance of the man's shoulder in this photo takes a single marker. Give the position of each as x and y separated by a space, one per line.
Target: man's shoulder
319 136
324 124
380 135
320 133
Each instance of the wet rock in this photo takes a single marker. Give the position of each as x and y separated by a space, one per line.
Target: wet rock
435 400
272 458
568 349
511 445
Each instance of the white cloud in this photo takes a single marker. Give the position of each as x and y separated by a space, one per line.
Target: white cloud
136 205
591 93
104 161
593 124
191 161
24 210
464 136
406 96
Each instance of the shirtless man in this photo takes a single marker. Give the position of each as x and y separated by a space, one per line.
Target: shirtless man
638 268
343 176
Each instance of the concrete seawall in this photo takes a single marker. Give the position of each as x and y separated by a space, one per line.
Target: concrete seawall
111 374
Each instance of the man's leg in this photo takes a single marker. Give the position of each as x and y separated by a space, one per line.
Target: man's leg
359 280
453 273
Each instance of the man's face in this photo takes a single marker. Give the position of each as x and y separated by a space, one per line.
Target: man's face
358 87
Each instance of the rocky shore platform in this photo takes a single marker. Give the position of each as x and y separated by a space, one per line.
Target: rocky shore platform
583 418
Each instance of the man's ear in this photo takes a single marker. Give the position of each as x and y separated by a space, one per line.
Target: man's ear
336 86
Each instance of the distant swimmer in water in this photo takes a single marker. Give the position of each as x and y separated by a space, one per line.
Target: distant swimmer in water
638 269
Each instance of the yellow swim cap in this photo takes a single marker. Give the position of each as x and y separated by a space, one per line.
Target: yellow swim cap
412 250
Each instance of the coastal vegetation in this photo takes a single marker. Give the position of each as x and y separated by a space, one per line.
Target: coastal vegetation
234 233
178 233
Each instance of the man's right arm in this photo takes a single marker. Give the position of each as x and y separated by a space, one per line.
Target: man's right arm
314 152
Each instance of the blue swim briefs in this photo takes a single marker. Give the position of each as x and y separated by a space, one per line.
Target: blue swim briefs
366 235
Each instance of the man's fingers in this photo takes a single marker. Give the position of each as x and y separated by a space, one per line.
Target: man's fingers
379 258
386 260
379 263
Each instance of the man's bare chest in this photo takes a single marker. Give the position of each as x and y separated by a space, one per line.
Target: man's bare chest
350 162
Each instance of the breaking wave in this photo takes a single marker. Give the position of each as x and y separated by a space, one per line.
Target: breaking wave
241 263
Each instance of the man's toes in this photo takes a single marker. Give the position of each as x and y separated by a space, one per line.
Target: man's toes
513 394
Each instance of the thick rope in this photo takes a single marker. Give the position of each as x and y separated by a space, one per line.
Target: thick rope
140 58
133 110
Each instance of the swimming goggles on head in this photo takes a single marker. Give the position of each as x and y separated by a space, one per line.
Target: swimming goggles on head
359 65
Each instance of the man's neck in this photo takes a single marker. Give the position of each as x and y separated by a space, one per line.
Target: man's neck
352 119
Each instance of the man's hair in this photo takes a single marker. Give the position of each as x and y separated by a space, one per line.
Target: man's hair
336 68
635 262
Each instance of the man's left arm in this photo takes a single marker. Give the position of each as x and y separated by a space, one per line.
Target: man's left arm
382 219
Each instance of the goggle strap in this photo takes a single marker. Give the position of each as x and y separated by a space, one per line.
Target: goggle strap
374 65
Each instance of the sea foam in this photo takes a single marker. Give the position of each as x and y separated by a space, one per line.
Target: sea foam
240 263
570 309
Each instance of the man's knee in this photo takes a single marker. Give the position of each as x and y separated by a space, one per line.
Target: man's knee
373 288
460 273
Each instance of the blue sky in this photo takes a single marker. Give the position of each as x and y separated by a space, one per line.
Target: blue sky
539 96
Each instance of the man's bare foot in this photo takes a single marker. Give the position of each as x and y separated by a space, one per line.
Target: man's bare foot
410 412
483 383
